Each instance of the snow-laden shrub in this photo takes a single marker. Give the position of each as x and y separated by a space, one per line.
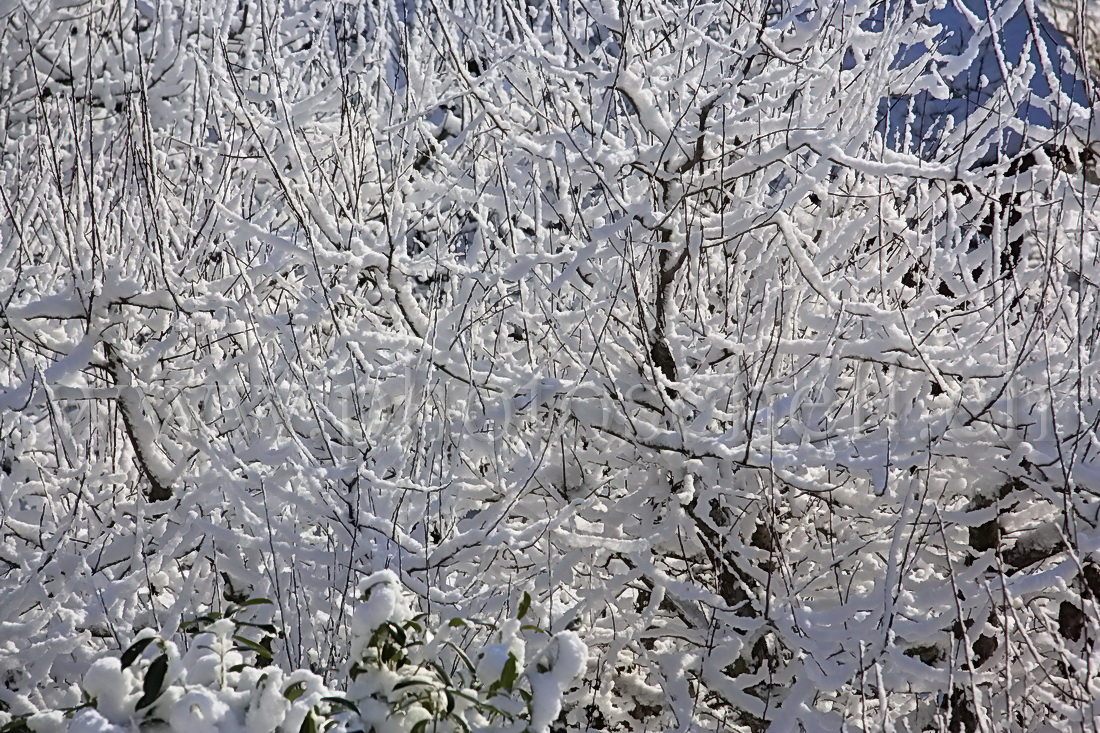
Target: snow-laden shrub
758 337
397 679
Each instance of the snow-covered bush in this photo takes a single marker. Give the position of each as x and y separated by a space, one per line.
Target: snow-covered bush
757 337
409 686
225 680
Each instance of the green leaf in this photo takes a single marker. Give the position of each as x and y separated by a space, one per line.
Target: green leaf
421 726
131 654
532 627
266 644
70 712
405 703
438 669
341 702
398 633
249 645
510 672
524 605
309 725
458 621
153 684
468 697
295 691
461 655
257 602
269 628
201 622
17 725
411 683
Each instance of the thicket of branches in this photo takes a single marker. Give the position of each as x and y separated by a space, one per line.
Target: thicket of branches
1079 22
684 318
